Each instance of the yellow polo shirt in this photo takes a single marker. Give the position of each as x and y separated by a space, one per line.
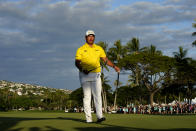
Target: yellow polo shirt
90 57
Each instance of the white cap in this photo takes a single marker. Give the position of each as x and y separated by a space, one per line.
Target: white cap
90 32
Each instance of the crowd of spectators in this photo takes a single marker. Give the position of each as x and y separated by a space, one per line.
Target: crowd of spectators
157 109
148 109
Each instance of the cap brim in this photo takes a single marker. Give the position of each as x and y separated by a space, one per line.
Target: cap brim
90 34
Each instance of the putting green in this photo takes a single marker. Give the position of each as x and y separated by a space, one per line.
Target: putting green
57 121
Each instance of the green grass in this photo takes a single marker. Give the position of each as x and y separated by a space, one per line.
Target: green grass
58 121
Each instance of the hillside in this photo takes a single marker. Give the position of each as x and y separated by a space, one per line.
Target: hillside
26 89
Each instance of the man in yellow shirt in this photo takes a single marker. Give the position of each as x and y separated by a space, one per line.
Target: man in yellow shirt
87 60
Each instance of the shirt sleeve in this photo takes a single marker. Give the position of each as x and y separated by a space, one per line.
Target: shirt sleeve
102 54
78 54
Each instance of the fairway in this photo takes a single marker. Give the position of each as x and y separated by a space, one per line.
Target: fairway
52 121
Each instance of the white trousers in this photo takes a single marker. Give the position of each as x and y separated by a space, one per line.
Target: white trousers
91 85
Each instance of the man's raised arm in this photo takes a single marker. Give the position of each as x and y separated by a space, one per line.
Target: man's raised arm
109 63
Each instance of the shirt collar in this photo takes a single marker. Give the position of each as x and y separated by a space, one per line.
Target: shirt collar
87 45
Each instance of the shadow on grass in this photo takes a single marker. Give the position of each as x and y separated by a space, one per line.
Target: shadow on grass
6 123
118 128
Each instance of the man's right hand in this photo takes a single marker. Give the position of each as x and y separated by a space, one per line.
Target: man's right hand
78 65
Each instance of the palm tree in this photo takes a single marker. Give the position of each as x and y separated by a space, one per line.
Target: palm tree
180 56
104 80
153 51
105 90
182 63
115 54
133 47
194 34
117 83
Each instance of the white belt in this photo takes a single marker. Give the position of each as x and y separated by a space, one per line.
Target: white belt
93 76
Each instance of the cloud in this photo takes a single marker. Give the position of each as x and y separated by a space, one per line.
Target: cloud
38 39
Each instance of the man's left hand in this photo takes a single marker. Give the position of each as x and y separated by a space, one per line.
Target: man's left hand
117 69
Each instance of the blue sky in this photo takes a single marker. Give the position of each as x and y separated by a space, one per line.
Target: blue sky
39 38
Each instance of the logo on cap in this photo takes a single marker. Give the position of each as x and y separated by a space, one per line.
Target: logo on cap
90 32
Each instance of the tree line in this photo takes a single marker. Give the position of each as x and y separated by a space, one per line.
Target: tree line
49 100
